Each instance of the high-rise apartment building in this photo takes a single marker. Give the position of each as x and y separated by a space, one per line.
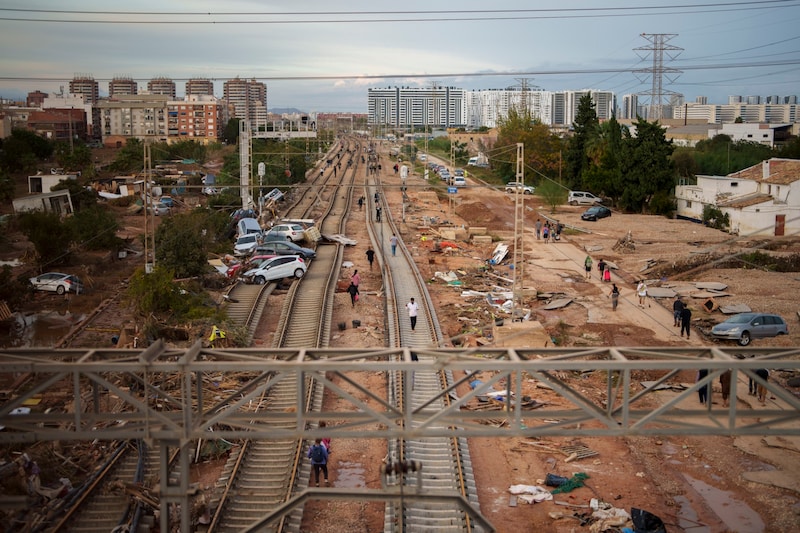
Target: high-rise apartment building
122 86
197 117
484 108
246 99
86 86
403 107
199 86
161 85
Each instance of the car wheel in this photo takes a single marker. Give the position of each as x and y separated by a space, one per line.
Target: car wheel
744 340
527 192
573 203
259 280
299 273
60 289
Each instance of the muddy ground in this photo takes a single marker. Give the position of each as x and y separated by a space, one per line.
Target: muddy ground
723 483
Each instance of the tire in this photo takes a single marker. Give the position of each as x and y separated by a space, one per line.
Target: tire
60 290
299 273
744 340
259 280
573 203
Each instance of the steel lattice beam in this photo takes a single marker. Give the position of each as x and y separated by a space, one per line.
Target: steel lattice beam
157 392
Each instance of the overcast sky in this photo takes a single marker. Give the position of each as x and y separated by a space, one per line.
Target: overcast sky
322 55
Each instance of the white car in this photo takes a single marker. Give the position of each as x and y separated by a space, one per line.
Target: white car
583 198
282 266
246 244
57 282
514 186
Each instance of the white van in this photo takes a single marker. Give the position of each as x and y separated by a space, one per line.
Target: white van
247 226
583 198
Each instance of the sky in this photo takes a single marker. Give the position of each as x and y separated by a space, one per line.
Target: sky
321 55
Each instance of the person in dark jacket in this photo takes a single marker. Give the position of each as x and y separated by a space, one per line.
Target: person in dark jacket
318 454
677 307
686 320
352 290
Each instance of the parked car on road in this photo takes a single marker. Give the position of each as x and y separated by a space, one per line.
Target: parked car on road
459 181
583 198
744 327
291 232
282 266
514 186
57 282
285 248
596 212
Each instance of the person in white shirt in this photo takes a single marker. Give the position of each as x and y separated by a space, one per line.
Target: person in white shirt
413 308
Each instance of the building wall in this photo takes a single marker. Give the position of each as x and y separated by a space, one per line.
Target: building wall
710 190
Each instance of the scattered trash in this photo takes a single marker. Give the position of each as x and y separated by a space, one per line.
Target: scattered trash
573 483
530 493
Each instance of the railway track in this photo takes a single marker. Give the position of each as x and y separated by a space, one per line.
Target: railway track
263 475
444 463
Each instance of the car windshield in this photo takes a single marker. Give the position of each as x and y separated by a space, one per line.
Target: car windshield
739 319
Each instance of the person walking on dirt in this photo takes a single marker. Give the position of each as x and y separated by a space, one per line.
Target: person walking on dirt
377 214
601 267
413 309
725 385
352 290
319 460
355 278
702 392
587 265
614 297
677 307
761 390
641 292
393 243
370 256
538 228
686 320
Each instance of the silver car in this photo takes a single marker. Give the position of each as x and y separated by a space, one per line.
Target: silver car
744 327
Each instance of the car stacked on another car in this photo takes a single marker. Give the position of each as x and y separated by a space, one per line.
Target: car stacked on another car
596 212
246 244
282 266
57 282
289 232
284 248
744 327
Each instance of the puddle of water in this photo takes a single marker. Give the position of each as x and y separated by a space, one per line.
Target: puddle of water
687 518
736 514
350 475
40 329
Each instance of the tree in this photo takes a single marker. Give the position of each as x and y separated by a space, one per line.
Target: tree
77 158
541 147
95 228
552 193
646 168
791 150
7 187
714 218
231 132
50 236
604 175
585 128
22 150
82 197
130 158
183 241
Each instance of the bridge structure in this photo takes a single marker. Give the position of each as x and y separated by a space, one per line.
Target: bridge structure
143 408
170 397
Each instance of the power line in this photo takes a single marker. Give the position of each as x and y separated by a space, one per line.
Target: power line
711 66
416 16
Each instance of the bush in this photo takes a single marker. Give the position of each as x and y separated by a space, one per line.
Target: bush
714 218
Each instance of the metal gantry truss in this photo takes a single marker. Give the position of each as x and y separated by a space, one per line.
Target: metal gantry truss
190 408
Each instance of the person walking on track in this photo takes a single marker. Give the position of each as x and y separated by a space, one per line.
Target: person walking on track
370 256
413 309
393 242
319 460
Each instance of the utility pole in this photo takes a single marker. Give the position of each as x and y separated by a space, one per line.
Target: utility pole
518 283
149 215
659 47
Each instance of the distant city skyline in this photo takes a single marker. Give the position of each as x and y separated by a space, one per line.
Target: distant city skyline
324 57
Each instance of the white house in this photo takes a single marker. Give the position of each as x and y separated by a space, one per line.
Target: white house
761 200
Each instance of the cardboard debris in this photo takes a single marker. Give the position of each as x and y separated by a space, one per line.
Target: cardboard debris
500 252
733 309
660 292
708 294
711 285
446 276
341 239
558 304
